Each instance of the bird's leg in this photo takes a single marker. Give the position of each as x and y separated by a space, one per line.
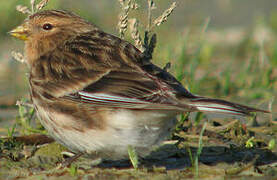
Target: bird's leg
69 160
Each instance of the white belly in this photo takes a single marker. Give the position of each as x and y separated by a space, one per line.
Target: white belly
139 129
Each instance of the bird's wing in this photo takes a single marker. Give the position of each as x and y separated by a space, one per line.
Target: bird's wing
127 90
98 69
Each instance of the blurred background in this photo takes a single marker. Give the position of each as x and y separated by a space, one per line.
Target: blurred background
217 48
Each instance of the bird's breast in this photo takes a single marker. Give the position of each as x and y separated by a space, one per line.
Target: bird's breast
120 128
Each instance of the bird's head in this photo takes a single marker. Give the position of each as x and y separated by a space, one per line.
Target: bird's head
50 24
45 30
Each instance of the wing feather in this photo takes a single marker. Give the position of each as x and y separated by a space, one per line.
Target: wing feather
98 69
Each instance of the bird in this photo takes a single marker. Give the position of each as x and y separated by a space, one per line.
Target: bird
96 93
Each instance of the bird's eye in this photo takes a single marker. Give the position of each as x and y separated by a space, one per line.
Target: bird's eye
47 26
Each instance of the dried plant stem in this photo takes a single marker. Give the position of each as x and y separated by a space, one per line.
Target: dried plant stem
18 56
41 4
126 6
150 3
23 9
123 18
34 7
149 46
32 2
163 18
135 34
21 103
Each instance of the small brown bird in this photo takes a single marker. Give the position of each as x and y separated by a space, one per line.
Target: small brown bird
95 92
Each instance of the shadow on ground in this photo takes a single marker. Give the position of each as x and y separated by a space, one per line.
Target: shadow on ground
170 157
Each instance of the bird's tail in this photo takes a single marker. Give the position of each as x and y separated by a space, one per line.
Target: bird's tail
221 106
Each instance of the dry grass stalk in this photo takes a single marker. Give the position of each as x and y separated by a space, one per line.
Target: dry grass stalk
41 4
123 18
161 19
151 6
150 46
32 2
34 8
21 103
135 34
23 9
18 56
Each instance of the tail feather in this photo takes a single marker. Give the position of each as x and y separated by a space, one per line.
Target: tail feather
222 106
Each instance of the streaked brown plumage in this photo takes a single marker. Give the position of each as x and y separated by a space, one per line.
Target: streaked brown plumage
95 92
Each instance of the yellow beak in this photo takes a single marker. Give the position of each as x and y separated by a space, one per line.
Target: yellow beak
20 32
